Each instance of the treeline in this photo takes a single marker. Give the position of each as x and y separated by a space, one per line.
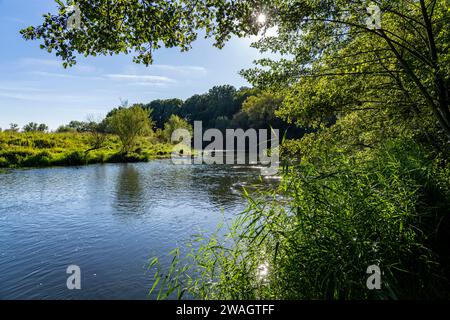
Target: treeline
29 127
222 107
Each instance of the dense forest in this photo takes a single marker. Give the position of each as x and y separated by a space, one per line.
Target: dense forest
369 182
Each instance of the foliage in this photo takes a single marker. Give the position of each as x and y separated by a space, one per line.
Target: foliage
329 226
13 127
34 127
334 63
260 110
372 184
129 124
36 149
136 26
162 110
174 123
218 102
330 42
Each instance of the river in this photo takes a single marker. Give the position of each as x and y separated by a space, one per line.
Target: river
109 220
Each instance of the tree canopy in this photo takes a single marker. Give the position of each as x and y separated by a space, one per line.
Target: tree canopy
35 127
129 124
138 26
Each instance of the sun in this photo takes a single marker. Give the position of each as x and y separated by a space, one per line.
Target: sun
262 18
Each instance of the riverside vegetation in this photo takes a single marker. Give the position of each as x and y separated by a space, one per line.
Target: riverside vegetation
140 132
124 136
71 149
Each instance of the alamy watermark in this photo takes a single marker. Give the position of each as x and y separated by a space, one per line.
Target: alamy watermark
74 20
373 22
374 280
74 280
236 147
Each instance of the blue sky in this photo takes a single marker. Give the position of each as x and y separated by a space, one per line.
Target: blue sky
35 87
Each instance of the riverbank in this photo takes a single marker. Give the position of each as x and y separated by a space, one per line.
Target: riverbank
19 150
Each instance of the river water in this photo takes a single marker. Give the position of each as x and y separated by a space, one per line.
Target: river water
109 220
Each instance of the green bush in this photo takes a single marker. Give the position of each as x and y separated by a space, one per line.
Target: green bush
43 144
16 156
40 159
74 158
4 163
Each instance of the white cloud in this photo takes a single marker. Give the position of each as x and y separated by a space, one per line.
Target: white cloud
27 62
39 64
48 97
19 88
52 74
182 70
149 79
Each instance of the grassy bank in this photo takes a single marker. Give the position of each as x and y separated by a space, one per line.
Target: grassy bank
66 149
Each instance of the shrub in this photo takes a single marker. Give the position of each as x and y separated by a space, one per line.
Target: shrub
40 159
74 158
43 143
15 157
4 163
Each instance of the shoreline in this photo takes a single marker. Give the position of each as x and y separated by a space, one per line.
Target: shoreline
43 150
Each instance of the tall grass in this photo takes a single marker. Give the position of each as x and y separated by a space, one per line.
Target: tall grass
315 237
70 149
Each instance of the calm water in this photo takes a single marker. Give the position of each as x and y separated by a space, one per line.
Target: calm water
107 219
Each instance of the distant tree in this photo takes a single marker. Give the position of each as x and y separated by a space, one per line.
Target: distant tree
114 111
42 127
163 109
64 129
96 130
78 126
14 127
175 122
34 127
194 108
220 101
260 110
129 124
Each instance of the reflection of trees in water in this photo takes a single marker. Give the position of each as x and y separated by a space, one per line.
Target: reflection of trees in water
140 187
129 193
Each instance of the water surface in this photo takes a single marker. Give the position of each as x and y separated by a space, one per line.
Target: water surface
107 219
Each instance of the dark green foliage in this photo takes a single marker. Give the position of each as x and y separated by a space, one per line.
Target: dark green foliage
127 158
163 109
34 127
43 143
220 101
129 124
40 159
